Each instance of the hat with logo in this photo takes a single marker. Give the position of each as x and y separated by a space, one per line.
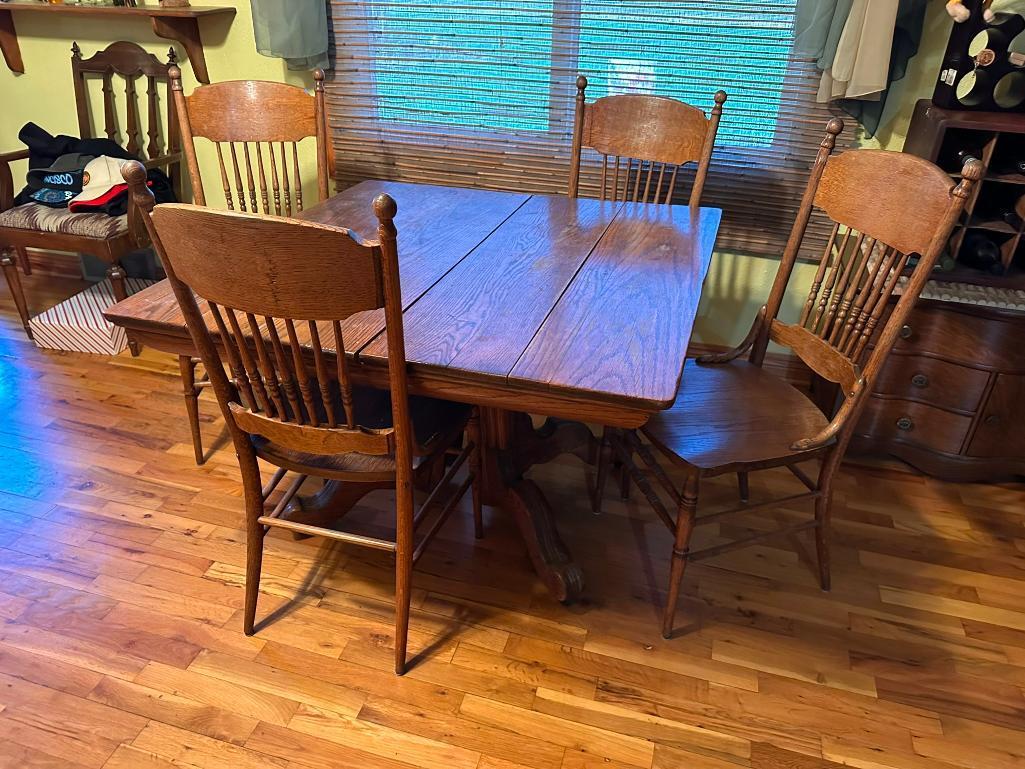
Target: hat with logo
102 182
58 184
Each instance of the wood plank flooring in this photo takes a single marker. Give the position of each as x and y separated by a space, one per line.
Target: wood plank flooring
121 593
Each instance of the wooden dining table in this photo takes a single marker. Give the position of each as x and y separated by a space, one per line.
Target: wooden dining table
577 310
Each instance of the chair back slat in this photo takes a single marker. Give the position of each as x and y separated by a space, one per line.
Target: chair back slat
892 217
254 122
271 315
129 62
645 136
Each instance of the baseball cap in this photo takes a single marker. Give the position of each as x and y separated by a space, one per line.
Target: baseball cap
56 185
101 182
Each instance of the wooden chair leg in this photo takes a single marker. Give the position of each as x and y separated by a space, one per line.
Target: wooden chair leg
26 265
254 538
474 435
14 285
605 455
681 547
822 514
403 581
743 487
187 365
116 274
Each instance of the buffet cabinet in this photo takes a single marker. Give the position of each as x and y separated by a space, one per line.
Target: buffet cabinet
951 398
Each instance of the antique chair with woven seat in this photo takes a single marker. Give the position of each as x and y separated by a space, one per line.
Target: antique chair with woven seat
109 238
258 126
283 403
892 215
648 139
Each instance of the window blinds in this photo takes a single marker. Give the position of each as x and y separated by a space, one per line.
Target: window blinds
481 94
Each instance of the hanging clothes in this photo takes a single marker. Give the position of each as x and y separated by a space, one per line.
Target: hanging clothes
295 31
861 65
907 36
818 25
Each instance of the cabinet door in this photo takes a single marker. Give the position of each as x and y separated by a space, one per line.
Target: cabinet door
1000 431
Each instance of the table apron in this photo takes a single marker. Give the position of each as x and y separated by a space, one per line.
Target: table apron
435 384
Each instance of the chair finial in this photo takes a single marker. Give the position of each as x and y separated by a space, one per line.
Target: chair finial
174 74
720 97
385 207
76 52
172 56
581 83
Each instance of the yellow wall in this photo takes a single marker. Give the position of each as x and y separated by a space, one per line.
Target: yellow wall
736 285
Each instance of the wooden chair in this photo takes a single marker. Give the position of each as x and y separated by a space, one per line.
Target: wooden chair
283 405
250 122
643 134
108 238
893 214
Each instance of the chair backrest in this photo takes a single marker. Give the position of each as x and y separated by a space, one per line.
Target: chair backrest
643 136
892 216
277 324
258 125
131 62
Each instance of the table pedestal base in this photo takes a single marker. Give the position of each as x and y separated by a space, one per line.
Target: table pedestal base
511 446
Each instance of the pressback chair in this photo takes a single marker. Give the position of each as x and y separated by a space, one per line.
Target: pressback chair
276 326
643 142
105 237
256 128
892 215
640 137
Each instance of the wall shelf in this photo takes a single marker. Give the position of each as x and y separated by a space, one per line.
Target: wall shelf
178 24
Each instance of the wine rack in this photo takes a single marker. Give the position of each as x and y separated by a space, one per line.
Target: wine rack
987 246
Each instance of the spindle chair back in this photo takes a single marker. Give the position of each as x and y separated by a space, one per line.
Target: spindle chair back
129 63
256 128
643 142
891 216
285 403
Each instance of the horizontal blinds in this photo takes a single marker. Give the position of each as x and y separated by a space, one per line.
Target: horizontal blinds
481 94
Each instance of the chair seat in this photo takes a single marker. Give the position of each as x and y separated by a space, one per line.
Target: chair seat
436 424
39 218
734 414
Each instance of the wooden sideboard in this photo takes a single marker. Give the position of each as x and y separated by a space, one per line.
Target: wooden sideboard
951 399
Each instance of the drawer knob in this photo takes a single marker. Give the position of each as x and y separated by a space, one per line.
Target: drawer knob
920 380
905 423
905 331
992 419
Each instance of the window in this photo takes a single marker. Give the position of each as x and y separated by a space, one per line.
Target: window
481 92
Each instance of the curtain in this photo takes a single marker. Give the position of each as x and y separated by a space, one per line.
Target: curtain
482 94
293 30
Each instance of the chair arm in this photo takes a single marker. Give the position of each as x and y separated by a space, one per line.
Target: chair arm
6 178
830 431
743 347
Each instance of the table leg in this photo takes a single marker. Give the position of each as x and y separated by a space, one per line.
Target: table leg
331 502
511 446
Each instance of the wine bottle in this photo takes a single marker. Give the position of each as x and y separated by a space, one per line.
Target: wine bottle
981 253
1011 217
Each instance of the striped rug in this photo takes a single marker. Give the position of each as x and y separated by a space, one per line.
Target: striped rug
77 324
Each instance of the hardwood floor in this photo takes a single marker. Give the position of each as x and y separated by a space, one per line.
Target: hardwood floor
121 567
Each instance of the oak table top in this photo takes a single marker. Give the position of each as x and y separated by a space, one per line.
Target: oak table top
575 309
586 303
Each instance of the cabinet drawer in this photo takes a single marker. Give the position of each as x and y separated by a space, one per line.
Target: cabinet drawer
936 382
909 422
1001 430
959 336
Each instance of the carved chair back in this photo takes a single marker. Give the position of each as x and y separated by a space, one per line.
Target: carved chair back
643 141
277 325
256 127
892 216
132 64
